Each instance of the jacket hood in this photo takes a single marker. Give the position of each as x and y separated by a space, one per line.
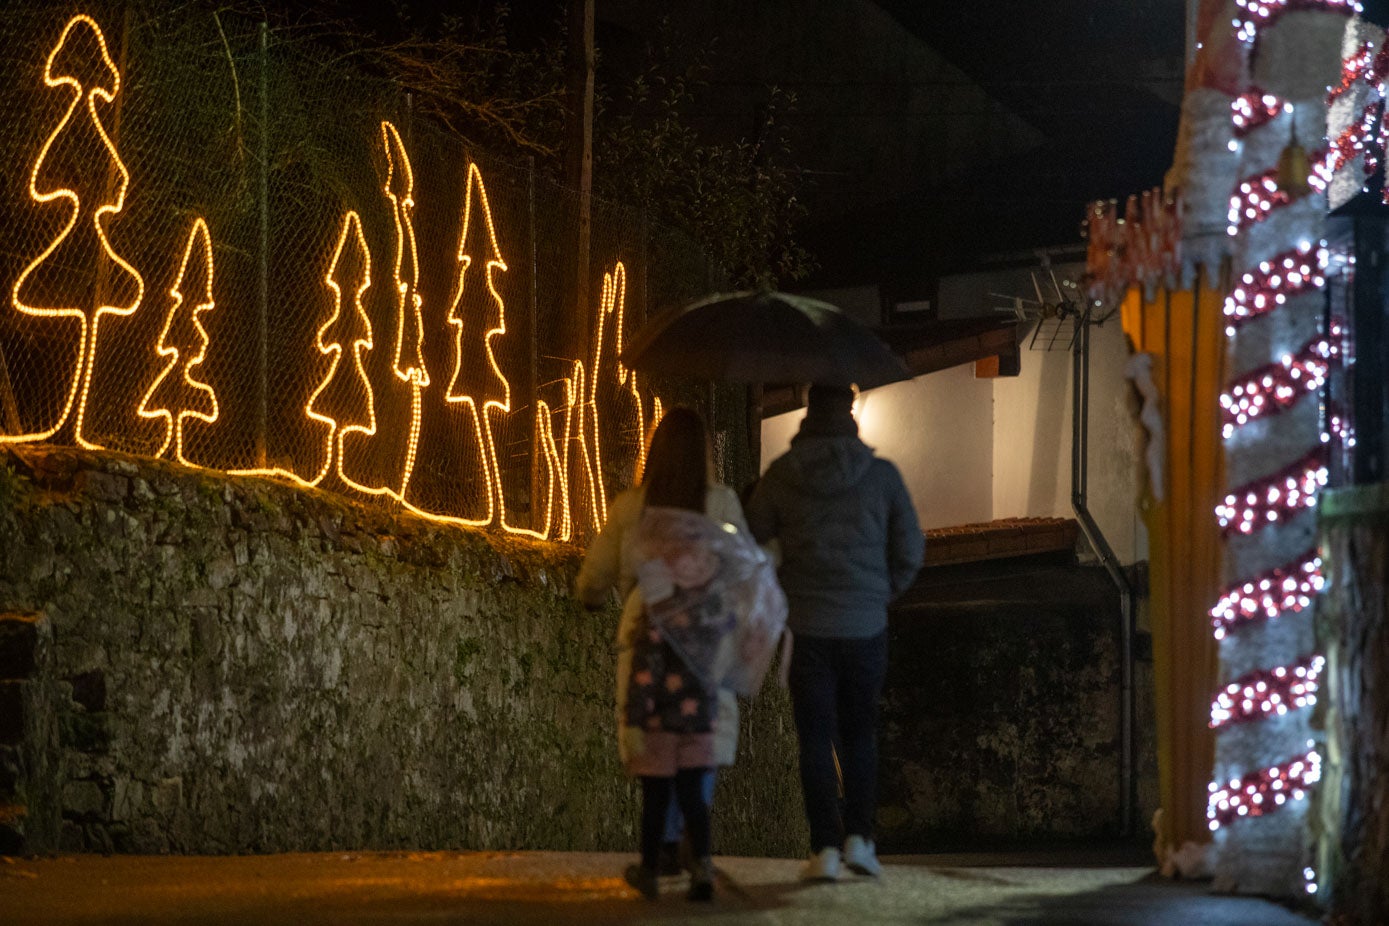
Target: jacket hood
827 465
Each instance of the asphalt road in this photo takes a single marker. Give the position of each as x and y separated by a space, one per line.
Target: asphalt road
560 889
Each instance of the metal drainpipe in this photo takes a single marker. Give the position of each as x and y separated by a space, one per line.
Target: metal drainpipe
1080 426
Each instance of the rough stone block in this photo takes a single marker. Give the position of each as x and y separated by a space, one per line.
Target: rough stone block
12 712
84 800
103 486
89 690
98 838
84 732
19 640
9 772
71 838
168 796
12 841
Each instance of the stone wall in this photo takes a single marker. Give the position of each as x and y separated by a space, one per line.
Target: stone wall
1001 709
242 666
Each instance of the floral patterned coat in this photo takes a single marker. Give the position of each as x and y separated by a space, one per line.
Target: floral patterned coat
603 570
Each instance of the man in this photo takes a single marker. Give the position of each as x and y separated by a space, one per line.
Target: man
850 543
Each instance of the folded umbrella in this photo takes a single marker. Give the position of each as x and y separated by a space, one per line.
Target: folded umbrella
764 337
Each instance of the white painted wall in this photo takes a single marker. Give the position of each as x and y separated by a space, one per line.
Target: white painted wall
1032 441
937 429
974 450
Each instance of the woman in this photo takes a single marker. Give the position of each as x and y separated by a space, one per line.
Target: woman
677 475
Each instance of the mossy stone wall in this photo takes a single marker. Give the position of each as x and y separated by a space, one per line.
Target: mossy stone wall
249 667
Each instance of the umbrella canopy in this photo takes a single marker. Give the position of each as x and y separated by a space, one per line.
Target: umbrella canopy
764 337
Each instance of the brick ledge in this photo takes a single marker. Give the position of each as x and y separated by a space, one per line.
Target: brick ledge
967 543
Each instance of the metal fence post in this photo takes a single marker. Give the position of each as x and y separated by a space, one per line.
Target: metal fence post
534 358
263 295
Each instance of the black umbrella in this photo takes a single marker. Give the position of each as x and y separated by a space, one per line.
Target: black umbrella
764 337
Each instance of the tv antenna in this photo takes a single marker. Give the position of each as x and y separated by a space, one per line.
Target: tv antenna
1057 310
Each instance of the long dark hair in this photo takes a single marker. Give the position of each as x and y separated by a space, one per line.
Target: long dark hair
677 464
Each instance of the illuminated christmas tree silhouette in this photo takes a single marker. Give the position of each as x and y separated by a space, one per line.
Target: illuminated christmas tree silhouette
344 400
408 358
79 275
478 301
176 393
614 388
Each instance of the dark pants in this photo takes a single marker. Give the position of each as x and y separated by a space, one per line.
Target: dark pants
835 686
655 801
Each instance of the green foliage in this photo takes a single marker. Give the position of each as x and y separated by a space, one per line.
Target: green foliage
467 69
13 487
736 199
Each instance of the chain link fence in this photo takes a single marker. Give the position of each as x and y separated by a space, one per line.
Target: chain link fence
225 245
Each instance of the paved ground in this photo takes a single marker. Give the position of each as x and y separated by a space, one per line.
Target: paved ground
560 889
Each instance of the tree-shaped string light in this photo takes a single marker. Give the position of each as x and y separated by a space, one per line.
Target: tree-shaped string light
608 340
103 188
477 223
183 343
345 333
408 359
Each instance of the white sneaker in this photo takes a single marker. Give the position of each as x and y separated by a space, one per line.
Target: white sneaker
822 866
860 856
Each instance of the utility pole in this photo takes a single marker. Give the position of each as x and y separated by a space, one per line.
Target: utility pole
578 167
575 324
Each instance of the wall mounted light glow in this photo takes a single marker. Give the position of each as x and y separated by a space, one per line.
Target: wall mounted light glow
176 400
111 181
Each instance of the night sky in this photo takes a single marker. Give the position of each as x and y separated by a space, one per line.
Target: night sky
1101 81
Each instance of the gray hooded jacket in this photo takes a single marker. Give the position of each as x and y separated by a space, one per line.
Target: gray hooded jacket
850 541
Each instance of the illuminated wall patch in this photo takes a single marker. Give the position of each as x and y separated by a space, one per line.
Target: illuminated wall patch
72 192
183 343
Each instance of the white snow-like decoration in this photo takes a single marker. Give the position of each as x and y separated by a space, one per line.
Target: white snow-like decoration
1296 58
1348 107
1140 369
1205 170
